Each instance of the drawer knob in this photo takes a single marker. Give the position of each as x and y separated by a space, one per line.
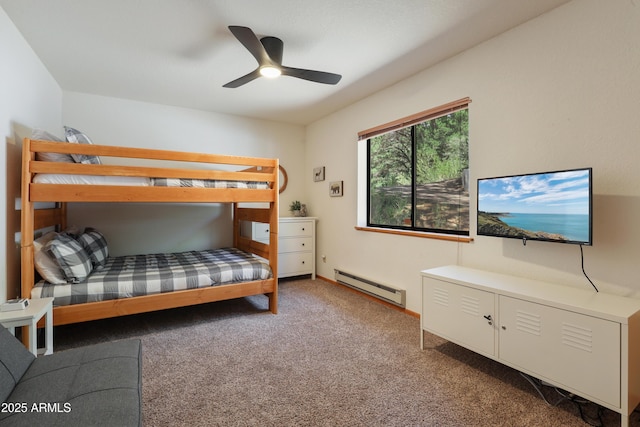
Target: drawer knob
303 262
303 244
302 228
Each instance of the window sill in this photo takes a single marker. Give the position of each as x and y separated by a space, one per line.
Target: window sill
437 236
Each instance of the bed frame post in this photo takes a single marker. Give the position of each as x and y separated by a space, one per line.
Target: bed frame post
236 224
63 215
274 221
26 230
27 278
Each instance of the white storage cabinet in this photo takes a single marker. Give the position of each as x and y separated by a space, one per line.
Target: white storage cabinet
296 244
580 340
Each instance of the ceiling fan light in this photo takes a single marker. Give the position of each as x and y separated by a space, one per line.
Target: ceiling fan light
270 71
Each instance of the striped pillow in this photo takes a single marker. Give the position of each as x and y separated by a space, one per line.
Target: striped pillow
71 257
95 244
76 137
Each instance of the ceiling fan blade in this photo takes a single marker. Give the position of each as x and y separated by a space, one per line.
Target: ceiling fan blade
312 75
244 79
247 37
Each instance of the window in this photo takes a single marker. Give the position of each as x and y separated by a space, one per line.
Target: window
417 172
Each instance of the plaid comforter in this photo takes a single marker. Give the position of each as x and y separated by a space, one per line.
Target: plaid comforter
207 183
136 275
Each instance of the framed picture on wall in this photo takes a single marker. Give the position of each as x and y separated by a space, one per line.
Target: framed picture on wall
318 173
335 188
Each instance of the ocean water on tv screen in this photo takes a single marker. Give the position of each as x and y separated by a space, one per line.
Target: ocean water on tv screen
572 226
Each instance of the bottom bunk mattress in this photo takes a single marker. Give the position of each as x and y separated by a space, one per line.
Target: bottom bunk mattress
136 275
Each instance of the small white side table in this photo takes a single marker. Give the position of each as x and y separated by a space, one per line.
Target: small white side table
30 317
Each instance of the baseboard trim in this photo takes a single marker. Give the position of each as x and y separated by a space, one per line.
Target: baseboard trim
378 300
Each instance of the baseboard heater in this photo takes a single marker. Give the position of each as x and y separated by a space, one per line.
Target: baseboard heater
378 290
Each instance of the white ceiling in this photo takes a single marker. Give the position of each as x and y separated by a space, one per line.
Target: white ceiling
180 52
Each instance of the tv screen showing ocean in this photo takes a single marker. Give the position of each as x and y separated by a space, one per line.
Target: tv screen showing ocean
573 227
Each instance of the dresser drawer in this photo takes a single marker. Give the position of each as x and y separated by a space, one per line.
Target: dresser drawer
260 231
295 263
299 228
295 244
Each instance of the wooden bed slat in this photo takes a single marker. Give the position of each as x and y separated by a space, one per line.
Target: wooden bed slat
117 193
43 218
147 154
253 247
251 214
143 304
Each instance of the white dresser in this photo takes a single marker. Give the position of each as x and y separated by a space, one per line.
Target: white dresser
296 244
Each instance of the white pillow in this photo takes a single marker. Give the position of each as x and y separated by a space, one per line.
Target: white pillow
45 265
50 157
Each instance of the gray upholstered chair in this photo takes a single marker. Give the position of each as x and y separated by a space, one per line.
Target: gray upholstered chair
89 386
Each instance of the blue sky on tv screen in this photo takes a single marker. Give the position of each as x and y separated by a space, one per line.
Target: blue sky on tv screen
547 193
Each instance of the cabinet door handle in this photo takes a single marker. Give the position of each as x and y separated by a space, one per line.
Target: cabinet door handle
488 317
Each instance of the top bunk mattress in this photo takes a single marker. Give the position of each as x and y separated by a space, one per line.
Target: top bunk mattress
137 275
144 182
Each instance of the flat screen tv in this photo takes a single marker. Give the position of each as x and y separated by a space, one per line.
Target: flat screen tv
548 206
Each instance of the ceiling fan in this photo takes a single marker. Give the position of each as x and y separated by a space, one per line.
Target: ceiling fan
268 53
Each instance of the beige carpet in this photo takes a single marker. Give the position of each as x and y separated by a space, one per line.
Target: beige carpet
331 357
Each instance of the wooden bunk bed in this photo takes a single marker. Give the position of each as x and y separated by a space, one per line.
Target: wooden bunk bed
253 170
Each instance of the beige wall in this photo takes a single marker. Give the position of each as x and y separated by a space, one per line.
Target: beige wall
29 97
142 228
560 91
